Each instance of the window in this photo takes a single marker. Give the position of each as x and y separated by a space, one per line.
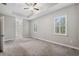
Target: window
60 25
35 27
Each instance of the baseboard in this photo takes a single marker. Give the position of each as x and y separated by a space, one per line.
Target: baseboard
8 39
73 47
27 37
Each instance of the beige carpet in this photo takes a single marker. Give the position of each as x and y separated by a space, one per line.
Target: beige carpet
35 47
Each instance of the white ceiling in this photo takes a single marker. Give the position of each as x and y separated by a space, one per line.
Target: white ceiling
18 9
13 9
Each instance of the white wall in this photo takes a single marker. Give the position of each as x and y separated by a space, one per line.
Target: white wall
15 27
26 29
45 27
9 27
22 27
78 25
19 28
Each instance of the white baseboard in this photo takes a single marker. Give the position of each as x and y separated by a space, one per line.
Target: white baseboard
69 46
6 40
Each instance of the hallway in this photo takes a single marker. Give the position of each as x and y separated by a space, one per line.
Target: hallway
35 47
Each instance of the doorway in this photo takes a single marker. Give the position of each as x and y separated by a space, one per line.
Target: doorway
1 33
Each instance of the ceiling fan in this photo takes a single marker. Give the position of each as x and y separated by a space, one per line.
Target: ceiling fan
31 6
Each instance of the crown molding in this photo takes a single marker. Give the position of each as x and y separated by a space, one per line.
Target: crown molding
52 9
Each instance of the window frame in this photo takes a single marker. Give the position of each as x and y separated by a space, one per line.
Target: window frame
65 16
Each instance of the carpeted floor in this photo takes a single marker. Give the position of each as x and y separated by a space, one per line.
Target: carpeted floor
35 47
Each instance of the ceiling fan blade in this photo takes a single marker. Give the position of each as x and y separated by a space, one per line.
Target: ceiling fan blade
27 4
36 8
34 4
4 3
26 8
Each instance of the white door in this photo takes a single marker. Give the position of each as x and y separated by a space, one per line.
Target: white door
1 33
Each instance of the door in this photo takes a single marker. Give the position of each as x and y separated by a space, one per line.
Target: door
1 33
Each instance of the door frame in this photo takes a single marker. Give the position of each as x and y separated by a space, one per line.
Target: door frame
2 32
